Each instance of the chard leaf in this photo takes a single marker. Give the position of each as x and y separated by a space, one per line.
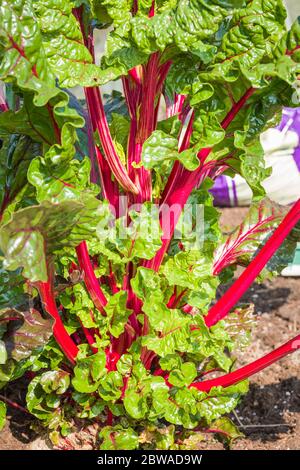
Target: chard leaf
188 269
78 303
172 326
226 430
29 120
141 239
25 332
253 32
141 392
15 156
118 11
239 324
160 147
33 233
220 401
12 293
3 353
56 381
184 376
23 54
110 388
206 129
117 313
117 437
44 405
145 282
242 243
160 438
59 182
3 410
88 371
135 403
119 128
61 38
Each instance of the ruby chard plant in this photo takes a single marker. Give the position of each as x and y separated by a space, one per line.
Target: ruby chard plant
111 249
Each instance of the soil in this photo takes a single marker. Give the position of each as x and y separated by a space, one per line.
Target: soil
269 416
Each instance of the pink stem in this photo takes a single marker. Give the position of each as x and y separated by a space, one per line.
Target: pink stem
152 9
250 369
117 168
112 280
90 338
3 104
60 333
182 182
291 52
91 282
13 404
175 107
239 287
98 117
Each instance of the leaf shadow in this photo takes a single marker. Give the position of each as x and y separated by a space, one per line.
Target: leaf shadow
19 421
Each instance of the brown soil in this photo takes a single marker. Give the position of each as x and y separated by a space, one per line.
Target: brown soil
269 416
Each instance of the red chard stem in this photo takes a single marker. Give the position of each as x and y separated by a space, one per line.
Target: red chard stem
239 287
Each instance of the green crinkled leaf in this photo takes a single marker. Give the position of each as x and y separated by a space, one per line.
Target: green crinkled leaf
138 394
12 292
117 313
140 239
3 353
56 381
68 58
188 269
243 243
15 156
184 24
34 233
226 430
77 301
25 332
7 372
41 404
110 388
29 120
184 376
160 147
118 11
207 130
59 182
253 32
220 401
27 250
3 409
135 403
170 362
119 128
172 326
145 282
118 438
88 372
24 58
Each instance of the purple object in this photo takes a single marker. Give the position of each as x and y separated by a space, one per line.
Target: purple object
227 192
294 115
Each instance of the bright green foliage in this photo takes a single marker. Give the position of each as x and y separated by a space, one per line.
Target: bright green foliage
137 325
2 415
161 147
